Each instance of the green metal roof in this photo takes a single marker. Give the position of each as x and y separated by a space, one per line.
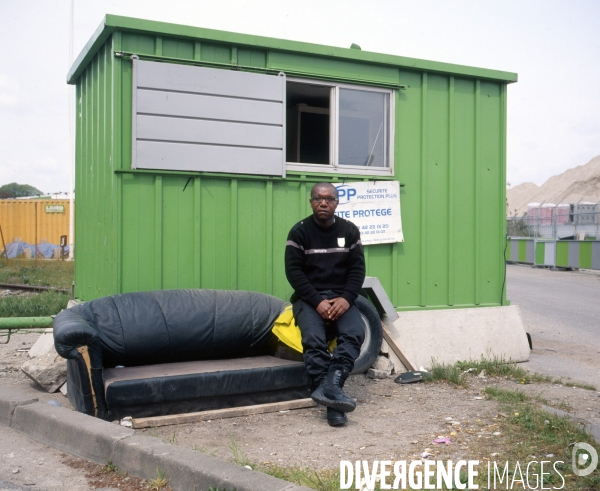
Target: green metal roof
112 23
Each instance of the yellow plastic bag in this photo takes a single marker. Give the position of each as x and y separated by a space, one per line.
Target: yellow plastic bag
288 332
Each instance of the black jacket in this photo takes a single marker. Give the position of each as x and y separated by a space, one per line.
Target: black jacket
318 259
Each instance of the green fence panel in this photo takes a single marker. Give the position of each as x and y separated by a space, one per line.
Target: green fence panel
562 254
540 253
585 255
522 251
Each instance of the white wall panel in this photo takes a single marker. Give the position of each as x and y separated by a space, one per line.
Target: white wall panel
207 119
208 132
208 107
188 157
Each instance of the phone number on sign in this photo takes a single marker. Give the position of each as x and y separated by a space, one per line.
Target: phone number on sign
371 227
367 232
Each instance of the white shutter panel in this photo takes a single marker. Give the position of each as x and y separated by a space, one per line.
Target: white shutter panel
206 119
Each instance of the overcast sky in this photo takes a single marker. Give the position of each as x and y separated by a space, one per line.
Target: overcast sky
554 46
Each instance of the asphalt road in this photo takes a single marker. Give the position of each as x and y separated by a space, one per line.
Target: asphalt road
561 311
29 465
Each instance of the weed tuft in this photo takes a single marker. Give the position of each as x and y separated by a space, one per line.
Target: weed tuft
111 468
160 481
497 366
504 395
238 454
447 373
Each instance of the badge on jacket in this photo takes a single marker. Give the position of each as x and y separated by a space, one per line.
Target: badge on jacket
341 241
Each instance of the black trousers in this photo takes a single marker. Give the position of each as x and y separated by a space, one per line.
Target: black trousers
317 332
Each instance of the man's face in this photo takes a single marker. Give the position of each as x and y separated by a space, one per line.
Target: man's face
324 202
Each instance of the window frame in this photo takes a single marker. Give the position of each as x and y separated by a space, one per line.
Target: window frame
334 132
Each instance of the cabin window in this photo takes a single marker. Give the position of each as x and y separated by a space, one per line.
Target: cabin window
347 128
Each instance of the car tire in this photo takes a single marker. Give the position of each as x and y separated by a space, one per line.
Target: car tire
369 350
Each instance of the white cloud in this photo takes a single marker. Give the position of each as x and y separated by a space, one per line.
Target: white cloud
8 91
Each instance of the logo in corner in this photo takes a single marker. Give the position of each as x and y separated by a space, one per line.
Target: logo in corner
587 454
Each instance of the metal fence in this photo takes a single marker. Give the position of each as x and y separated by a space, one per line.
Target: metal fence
581 254
557 222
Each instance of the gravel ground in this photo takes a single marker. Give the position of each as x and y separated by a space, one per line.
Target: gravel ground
391 422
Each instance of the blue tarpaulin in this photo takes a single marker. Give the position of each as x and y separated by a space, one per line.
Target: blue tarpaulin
46 250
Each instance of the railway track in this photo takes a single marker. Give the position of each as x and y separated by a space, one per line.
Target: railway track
32 288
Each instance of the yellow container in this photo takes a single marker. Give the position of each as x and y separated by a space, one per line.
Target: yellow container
34 220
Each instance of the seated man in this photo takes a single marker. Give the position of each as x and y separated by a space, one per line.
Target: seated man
325 265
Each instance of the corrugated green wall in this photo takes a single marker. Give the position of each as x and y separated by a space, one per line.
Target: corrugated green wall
97 207
140 230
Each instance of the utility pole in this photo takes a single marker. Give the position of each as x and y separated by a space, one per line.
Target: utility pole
71 140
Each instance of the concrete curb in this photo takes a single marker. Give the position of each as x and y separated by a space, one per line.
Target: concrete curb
10 399
100 441
591 428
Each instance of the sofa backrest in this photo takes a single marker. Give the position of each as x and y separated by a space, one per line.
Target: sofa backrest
165 326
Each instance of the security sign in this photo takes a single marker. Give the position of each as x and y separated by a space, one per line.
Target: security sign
374 207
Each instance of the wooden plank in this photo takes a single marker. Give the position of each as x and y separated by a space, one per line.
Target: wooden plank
387 335
232 412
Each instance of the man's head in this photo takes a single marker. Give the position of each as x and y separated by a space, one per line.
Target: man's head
324 201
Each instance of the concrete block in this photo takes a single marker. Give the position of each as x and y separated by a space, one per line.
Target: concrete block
452 335
73 303
10 399
374 373
43 345
398 365
49 370
383 363
76 433
188 470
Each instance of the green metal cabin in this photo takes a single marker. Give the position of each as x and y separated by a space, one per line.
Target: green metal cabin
143 223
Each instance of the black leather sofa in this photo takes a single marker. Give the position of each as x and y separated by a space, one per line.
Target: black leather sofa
172 351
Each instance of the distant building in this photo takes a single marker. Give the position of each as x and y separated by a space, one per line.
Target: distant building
566 213
544 213
585 213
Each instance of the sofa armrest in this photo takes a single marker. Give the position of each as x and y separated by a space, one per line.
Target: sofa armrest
79 343
71 331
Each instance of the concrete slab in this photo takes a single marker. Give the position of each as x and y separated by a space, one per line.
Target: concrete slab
452 335
49 370
379 297
73 303
76 433
10 399
43 345
188 470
